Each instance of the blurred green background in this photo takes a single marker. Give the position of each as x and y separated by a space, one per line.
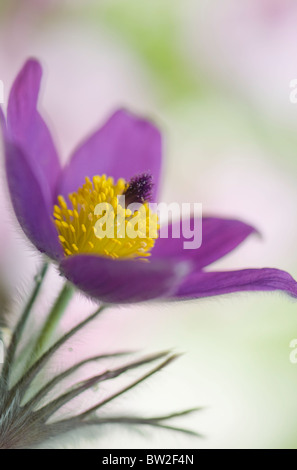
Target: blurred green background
215 76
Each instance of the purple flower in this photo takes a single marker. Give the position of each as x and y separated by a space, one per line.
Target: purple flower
124 148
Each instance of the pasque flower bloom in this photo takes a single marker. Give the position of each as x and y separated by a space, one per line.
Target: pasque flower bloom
124 148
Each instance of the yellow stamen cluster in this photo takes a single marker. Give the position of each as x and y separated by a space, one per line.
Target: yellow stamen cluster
81 224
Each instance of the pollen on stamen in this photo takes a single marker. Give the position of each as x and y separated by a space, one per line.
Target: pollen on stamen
76 220
139 189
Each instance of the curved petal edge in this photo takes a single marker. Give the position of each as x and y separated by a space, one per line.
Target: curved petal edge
207 284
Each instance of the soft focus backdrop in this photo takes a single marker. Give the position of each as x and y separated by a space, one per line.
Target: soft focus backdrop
215 76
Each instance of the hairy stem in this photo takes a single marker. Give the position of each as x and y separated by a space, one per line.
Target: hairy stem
49 409
161 366
34 401
77 420
10 355
65 426
21 386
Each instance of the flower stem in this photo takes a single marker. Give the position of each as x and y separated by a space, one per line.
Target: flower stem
21 325
52 321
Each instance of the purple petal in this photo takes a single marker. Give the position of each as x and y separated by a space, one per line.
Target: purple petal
124 147
219 237
32 203
207 284
123 281
27 128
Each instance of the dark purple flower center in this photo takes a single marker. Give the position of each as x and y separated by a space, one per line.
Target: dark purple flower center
139 189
